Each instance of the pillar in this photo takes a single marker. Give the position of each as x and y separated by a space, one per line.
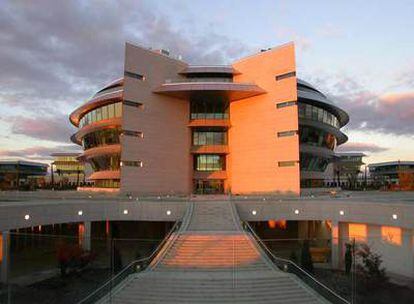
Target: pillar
335 244
5 256
85 235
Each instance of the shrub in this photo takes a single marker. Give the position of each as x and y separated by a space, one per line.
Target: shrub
369 269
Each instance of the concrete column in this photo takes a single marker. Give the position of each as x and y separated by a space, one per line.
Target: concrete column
335 244
5 256
85 235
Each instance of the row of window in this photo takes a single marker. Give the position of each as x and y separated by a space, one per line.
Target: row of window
209 138
101 138
107 183
209 162
287 133
102 113
309 162
318 114
217 108
131 163
317 137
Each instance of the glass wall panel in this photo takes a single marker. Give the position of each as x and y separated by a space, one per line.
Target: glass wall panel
317 137
105 162
209 162
209 137
318 114
210 108
101 113
309 162
101 138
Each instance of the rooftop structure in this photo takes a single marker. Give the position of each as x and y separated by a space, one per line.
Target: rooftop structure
168 127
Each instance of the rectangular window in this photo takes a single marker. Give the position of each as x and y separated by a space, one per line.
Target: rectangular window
286 75
131 163
105 112
132 103
133 133
111 110
286 104
287 133
134 75
287 163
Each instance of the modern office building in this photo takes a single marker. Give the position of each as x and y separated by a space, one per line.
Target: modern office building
19 174
345 171
394 175
66 169
168 127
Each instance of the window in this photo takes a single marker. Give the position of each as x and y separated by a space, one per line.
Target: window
287 163
134 75
105 163
105 112
209 162
209 137
133 133
132 103
287 133
286 75
286 104
101 138
132 163
208 108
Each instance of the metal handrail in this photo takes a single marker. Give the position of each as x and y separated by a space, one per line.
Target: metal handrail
289 266
129 269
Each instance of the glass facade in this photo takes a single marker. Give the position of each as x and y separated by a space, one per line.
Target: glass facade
101 138
209 162
309 162
105 163
101 113
318 114
209 137
317 137
107 183
214 108
211 186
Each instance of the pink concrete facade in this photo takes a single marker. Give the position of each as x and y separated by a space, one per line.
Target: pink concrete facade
156 150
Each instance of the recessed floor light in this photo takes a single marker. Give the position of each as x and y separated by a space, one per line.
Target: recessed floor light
27 217
126 211
80 212
254 212
341 212
394 216
296 211
168 212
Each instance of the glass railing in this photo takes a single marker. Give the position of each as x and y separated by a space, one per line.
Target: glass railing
286 253
45 268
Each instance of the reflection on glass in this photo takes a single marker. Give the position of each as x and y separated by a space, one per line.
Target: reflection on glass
309 162
105 162
102 113
101 138
214 108
318 114
317 137
209 162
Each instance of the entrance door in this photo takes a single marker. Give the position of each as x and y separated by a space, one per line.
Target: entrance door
211 186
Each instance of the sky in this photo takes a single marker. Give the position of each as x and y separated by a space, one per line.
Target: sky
54 55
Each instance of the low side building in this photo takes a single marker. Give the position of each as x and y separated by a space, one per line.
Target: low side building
345 171
20 174
168 127
67 170
394 175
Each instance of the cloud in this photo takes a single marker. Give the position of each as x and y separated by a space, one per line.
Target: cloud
361 147
54 128
56 55
329 30
390 113
38 153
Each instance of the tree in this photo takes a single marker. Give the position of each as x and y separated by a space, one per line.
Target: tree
369 270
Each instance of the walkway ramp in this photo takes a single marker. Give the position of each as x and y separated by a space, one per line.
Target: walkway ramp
213 261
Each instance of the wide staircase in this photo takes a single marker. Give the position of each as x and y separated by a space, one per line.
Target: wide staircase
212 260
